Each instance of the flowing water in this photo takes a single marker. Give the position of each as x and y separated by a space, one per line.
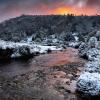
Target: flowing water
56 66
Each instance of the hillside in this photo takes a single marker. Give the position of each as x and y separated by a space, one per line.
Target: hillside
19 28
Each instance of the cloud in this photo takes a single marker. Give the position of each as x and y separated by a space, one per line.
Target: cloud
93 3
12 8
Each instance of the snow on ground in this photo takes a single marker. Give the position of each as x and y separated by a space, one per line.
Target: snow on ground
24 45
73 44
76 37
43 49
6 44
29 39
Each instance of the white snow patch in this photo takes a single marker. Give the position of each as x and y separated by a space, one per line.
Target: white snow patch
33 47
29 39
76 38
73 44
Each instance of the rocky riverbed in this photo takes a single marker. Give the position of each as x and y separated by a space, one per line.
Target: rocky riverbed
46 77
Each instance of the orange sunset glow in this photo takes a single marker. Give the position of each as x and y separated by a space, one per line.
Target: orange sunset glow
75 11
13 8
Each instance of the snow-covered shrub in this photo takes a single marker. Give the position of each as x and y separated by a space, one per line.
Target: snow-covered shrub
89 83
24 50
69 37
92 54
92 42
81 38
83 50
98 45
89 50
21 50
92 66
98 35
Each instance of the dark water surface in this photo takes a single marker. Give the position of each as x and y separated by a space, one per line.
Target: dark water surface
15 67
11 68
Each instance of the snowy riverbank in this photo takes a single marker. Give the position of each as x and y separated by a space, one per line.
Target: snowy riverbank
89 80
12 50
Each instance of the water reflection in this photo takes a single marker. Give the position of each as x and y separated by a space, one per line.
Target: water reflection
15 67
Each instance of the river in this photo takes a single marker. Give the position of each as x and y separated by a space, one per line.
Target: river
55 74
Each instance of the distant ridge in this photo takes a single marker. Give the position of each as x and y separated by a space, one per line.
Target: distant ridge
26 25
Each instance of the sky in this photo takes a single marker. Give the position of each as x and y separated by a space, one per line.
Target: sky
13 8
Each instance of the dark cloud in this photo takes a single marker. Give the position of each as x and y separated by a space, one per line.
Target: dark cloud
50 3
93 2
47 2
